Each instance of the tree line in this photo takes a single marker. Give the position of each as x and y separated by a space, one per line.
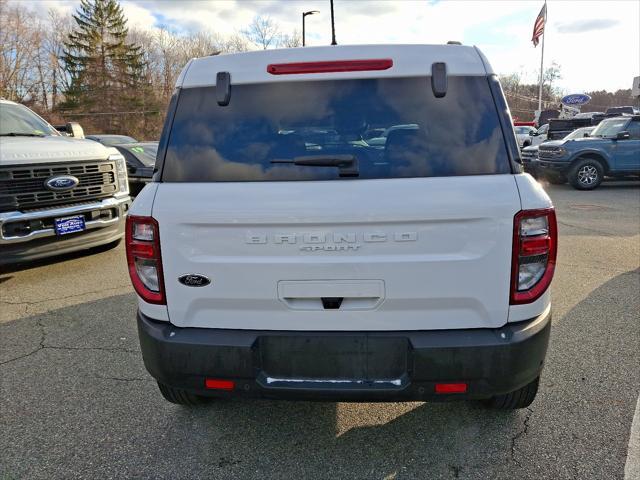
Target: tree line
523 97
90 67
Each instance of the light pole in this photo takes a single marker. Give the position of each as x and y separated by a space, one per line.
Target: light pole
304 14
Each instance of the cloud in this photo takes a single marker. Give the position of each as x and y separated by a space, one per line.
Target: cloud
501 28
581 26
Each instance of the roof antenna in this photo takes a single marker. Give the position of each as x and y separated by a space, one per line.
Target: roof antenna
333 27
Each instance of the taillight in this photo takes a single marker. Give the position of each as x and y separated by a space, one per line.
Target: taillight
330 66
143 257
535 245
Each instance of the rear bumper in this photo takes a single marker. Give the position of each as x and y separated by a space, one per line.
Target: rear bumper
371 366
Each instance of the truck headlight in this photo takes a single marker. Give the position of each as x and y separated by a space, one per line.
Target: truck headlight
121 171
561 152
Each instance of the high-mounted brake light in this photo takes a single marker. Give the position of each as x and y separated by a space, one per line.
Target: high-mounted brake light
535 246
143 257
330 66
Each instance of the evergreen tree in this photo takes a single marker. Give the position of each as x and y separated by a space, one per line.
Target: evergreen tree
107 73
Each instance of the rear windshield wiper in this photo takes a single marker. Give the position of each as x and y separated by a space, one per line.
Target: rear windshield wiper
348 164
20 134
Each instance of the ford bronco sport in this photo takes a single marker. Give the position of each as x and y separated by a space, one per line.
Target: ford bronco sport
58 194
277 254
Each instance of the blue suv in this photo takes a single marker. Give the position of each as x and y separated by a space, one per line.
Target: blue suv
612 150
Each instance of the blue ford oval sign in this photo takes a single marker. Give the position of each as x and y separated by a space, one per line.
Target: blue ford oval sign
575 99
61 183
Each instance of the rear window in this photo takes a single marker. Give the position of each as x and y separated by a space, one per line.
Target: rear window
336 129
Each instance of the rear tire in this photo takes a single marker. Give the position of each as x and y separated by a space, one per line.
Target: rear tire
555 178
586 174
521 398
180 396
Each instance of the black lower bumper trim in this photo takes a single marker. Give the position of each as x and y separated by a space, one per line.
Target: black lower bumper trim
385 366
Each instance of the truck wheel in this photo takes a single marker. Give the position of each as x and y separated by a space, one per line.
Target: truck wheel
521 398
555 178
586 174
181 397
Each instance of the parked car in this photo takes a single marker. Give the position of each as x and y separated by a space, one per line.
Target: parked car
588 114
561 127
529 155
536 136
381 140
58 194
140 158
525 135
111 140
629 110
264 268
611 150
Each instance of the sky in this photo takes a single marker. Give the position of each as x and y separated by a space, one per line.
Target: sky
596 43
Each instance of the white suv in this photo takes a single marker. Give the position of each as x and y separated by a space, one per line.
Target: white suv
276 254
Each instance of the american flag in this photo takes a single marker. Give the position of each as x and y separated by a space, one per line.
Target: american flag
538 27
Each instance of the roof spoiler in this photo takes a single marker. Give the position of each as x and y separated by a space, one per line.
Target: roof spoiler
223 88
439 79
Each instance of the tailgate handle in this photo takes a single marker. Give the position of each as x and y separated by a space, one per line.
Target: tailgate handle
331 294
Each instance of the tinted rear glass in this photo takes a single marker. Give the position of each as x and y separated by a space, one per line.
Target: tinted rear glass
374 128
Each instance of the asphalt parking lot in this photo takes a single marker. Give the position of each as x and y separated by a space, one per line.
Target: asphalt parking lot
76 401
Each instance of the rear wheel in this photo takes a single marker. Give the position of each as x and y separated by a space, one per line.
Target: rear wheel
521 398
180 396
555 178
586 174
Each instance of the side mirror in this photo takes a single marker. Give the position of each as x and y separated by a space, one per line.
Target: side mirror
74 129
586 134
623 135
533 133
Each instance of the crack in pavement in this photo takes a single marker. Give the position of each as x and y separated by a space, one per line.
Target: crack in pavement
587 229
64 298
521 433
43 346
122 379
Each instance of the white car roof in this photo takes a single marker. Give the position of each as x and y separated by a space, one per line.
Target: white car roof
408 61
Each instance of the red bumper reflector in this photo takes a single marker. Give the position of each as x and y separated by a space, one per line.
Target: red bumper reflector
217 384
451 387
327 67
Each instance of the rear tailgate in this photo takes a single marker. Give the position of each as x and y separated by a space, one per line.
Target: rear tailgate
390 254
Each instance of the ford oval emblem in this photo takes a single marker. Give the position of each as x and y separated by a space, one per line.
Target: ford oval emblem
194 280
61 183
575 99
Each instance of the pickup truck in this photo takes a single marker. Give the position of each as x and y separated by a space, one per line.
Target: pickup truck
266 265
58 194
611 150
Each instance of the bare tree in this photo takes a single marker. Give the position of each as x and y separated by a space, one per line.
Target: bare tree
290 40
235 43
19 46
262 31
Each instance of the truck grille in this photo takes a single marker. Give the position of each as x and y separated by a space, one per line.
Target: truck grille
529 156
24 187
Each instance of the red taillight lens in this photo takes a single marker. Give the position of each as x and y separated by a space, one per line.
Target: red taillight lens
331 66
535 244
143 257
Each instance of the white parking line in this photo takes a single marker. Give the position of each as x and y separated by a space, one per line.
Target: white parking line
632 467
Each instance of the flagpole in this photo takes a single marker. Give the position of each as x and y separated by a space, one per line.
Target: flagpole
542 62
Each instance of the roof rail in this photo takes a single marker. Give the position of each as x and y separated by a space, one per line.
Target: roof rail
454 42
